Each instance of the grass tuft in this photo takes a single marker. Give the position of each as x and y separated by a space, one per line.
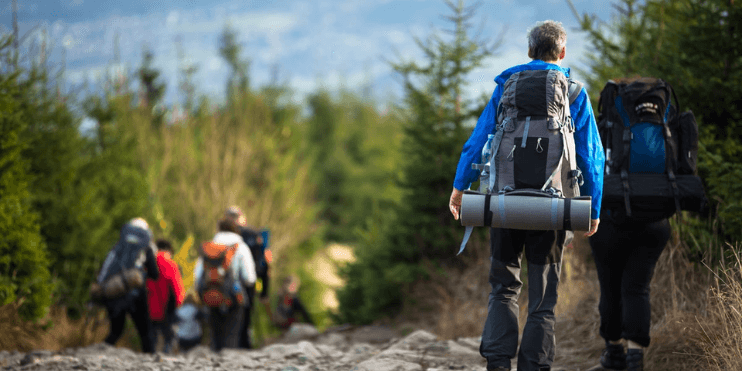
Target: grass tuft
54 332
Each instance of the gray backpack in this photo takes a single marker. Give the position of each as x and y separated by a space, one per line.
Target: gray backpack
533 147
530 156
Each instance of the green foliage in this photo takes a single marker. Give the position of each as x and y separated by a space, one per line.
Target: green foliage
152 88
277 95
722 178
23 262
437 113
421 226
687 43
77 190
230 50
375 284
354 150
186 72
90 188
83 188
234 155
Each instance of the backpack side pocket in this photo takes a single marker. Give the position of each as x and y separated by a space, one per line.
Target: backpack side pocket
687 143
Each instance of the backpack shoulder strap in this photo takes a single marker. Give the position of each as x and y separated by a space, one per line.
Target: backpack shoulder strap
575 87
229 254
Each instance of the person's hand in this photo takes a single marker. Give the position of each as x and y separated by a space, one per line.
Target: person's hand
593 227
454 204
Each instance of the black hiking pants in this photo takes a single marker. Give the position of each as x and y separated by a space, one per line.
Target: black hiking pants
625 256
225 327
136 306
500 335
245 340
164 328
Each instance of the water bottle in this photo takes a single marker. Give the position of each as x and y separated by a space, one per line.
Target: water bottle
484 176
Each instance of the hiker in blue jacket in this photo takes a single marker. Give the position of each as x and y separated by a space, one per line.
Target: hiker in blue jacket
547 48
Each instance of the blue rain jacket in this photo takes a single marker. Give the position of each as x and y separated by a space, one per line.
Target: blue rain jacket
590 158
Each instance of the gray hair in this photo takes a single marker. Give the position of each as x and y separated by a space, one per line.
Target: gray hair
546 40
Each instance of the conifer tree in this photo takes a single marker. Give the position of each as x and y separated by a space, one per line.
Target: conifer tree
420 227
277 95
82 187
322 142
152 89
186 74
24 273
437 111
354 151
231 50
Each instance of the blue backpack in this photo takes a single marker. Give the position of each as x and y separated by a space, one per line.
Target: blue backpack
651 151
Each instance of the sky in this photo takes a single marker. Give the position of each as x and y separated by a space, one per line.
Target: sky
311 44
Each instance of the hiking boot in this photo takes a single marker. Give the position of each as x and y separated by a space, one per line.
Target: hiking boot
635 360
498 369
613 357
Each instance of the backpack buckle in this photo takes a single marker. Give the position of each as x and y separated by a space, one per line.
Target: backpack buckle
506 125
554 124
551 191
577 178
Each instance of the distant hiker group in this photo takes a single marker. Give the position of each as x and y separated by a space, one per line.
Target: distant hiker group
538 139
140 278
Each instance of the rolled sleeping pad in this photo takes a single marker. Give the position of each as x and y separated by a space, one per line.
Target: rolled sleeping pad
526 209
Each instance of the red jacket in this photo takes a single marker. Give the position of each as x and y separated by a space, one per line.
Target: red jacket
159 291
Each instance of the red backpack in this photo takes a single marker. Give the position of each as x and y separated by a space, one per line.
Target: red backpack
218 288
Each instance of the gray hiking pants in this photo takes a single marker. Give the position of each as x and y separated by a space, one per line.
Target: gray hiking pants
500 335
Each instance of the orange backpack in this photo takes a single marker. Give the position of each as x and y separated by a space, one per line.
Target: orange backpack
218 288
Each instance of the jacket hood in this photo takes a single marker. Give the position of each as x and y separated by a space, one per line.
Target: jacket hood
227 238
533 65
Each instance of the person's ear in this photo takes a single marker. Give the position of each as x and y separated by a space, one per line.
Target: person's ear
563 53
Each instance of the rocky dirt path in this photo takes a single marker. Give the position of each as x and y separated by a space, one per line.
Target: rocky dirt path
372 348
361 349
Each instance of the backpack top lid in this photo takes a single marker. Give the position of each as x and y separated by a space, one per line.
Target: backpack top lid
539 93
213 252
642 99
